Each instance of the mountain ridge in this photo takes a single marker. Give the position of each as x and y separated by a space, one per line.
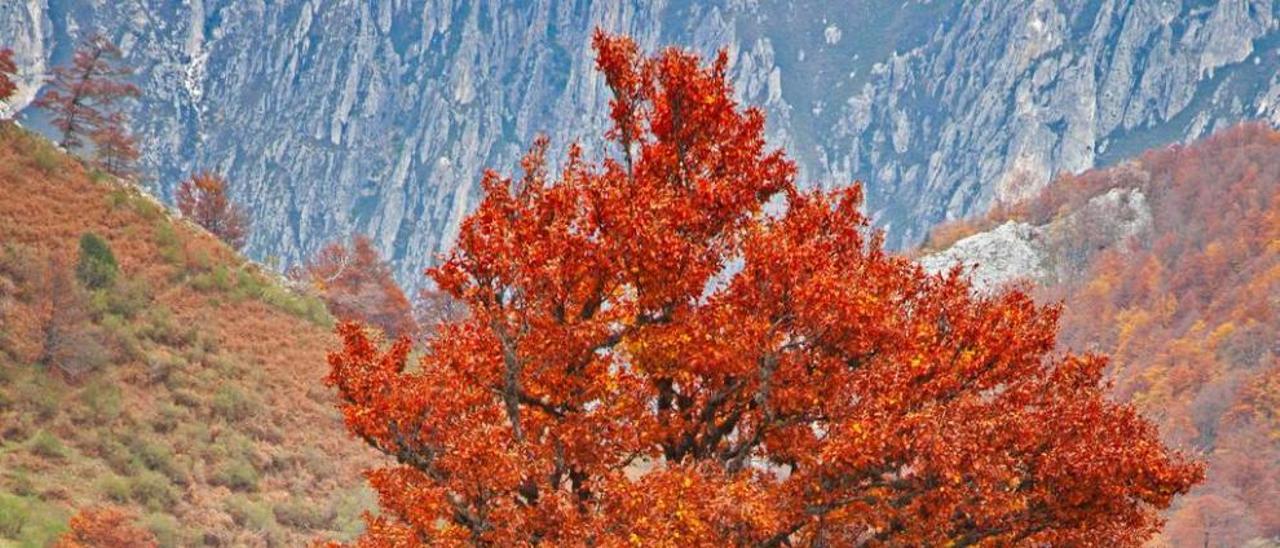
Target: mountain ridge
378 117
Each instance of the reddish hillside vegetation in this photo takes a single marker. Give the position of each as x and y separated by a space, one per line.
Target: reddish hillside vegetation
145 365
1190 312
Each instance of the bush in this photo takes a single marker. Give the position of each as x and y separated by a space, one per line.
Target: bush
232 404
251 515
155 456
96 267
46 158
165 527
30 522
237 474
153 490
46 445
102 401
170 245
14 512
303 514
114 488
128 298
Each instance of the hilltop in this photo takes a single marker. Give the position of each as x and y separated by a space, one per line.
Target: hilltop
187 390
1169 263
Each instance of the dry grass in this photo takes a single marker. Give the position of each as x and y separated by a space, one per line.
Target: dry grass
145 430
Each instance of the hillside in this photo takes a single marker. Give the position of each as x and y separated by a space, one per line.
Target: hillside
1170 263
187 390
378 116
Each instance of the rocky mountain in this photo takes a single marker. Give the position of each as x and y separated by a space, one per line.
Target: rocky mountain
378 116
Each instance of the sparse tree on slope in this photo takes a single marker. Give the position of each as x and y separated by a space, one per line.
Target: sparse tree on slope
82 97
356 284
204 199
7 70
653 357
115 150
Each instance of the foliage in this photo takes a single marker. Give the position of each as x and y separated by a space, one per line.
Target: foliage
652 356
356 284
7 70
1188 311
106 526
30 521
237 474
115 149
140 430
96 267
82 97
204 199
72 345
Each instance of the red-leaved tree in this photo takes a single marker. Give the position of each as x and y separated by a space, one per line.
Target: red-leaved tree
652 356
204 199
7 70
115 150
82 97
356 284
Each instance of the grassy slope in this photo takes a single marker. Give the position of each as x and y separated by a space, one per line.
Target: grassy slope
208 418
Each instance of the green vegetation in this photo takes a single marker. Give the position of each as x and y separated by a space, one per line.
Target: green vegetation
96 267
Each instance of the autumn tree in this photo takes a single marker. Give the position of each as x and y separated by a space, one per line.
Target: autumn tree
204 199
83 97
356 284
652 356
7 71
72 345
114 148
103 527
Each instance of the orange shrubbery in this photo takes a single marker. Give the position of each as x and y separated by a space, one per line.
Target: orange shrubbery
105 527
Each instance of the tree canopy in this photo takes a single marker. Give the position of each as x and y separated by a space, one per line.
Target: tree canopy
674 345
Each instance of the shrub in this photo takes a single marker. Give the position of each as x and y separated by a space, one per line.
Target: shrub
165 527
152 490
256 516
46 158
303 514
232 404
155 456
97 267
114 488
14 512
103 402
170 245
237 474
46 445
128 298
29 521
168 416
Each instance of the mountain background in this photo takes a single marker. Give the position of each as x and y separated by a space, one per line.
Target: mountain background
378 116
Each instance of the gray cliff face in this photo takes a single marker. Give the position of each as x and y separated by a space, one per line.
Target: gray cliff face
379 116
